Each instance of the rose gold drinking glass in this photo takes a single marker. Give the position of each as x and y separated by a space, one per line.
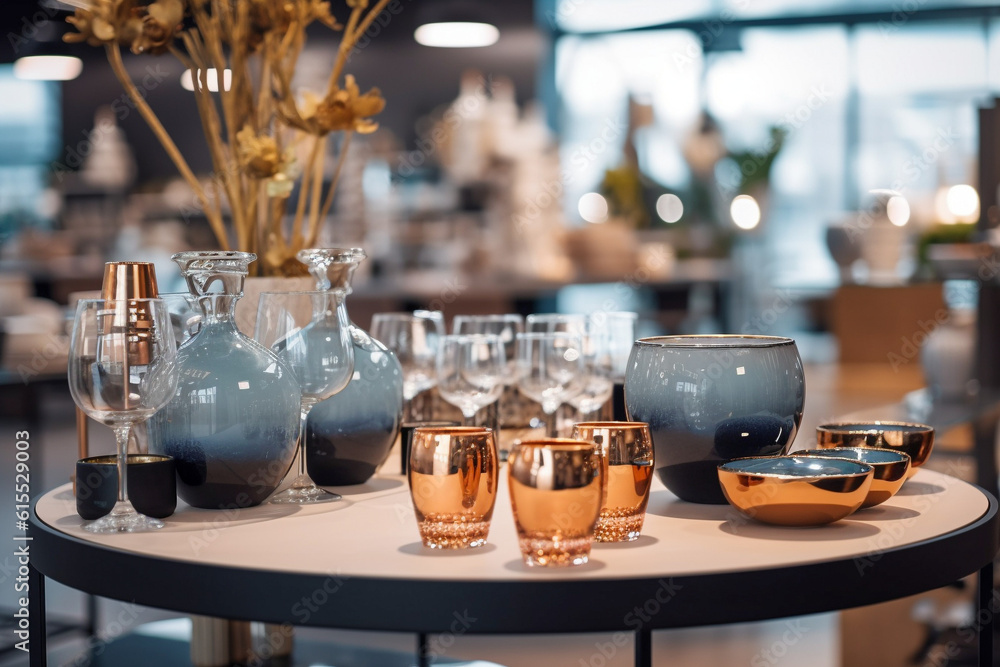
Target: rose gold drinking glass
555 492
453 482
628 450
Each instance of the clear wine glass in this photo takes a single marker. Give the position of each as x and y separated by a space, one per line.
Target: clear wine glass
549 369
620 326
121 371
551 322
505 326
310 333
596 383
414 337
470 371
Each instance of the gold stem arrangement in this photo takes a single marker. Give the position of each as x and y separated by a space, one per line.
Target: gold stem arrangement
256 125
115 58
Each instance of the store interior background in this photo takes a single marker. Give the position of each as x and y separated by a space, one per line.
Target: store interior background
589 159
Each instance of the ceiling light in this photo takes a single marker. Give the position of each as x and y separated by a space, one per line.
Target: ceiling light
48 68
670 208
457 34
212 76
745 212
898 210
593 207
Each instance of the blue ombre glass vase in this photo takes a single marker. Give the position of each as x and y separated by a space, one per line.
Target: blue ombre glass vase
349 435
233 423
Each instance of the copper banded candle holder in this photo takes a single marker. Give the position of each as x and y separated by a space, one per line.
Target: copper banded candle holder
453 480
129 280
627 449
555 493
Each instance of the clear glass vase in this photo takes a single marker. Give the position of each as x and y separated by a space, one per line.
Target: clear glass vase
350 434
233 423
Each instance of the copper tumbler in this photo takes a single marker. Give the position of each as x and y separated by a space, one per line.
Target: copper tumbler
453 483
628 451
555 492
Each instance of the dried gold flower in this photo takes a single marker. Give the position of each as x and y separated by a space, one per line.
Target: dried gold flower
259 155
161 22
104 22
277 16
346 109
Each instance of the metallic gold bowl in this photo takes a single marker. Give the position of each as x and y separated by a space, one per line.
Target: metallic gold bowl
795 490
891 468
916 440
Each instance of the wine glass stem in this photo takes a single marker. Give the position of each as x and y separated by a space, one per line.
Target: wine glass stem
121 438
304 416
469 418
550 421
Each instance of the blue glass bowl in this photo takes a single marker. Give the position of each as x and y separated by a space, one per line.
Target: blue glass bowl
710 399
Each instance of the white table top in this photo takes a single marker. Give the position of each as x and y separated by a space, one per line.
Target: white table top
372 533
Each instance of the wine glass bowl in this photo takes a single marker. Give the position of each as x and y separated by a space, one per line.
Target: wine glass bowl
470 371
549 369
414 338
709 399
122 371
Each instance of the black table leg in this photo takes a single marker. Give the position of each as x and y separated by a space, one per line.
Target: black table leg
91 623
643 648
985 612
423 660
36 609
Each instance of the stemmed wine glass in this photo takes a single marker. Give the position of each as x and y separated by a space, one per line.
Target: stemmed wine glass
505 326
596 382
549 369
414 337
121 371
470 372
310 333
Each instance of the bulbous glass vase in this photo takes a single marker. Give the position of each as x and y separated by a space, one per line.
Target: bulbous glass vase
349 435
233 423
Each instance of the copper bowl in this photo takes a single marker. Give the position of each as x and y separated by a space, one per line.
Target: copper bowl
891 468
795 490
913 439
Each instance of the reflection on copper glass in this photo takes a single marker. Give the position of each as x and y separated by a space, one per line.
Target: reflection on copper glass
453 483
795 490
556 493
914 440
628 451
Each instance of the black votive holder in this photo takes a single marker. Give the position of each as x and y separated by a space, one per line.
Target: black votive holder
152 485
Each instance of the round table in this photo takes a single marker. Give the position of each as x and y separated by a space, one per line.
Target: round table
359 564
